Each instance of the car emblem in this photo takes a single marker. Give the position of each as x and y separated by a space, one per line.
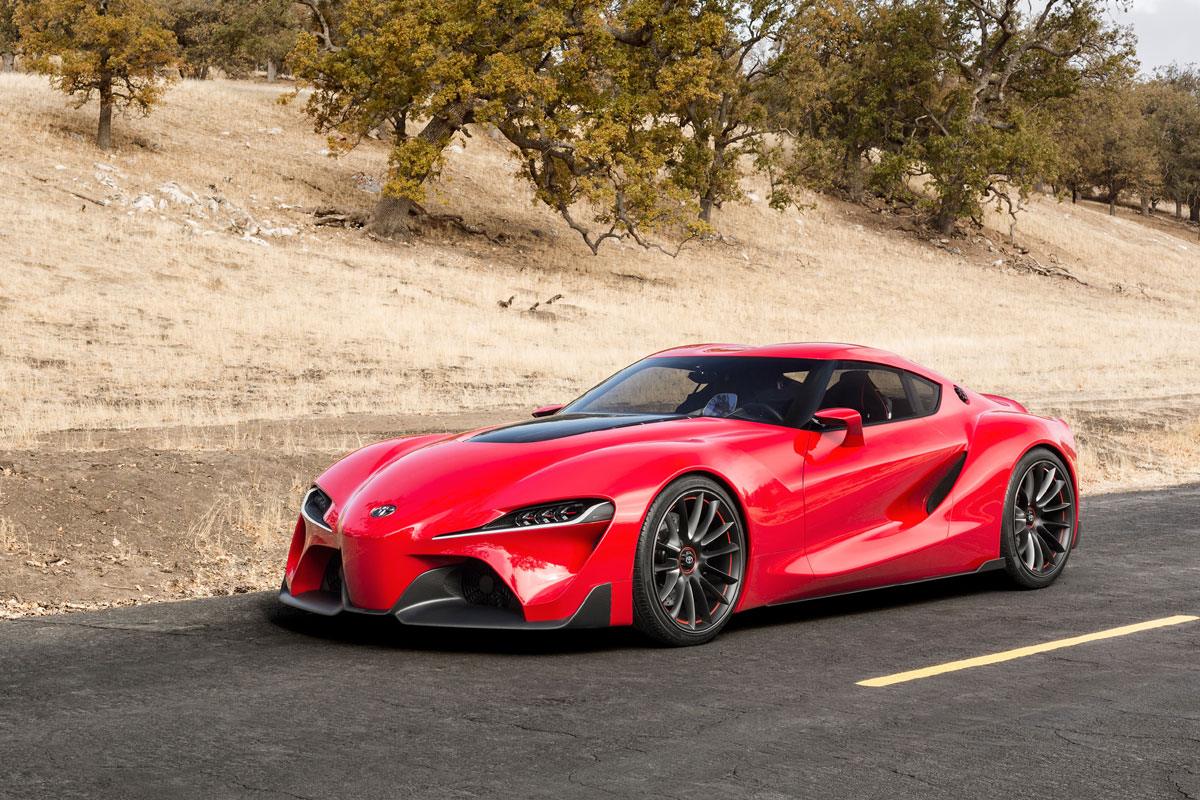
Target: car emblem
382 511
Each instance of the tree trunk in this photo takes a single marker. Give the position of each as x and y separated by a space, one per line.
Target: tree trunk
6 61
390 216
1074 195
1112 204
1145 212
947 216
271 71
855 181
1194 210
104 131
1178 209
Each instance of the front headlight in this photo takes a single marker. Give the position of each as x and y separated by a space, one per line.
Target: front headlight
546 515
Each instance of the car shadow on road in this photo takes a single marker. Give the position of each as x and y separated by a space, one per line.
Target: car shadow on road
385 632
874 601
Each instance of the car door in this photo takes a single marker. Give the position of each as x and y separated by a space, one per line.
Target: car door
867 505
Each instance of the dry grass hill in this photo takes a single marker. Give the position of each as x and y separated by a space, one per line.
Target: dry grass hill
181 347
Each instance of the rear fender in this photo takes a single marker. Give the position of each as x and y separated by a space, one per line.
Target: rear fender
999 440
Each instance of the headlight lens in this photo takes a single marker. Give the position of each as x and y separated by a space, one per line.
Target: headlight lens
563 513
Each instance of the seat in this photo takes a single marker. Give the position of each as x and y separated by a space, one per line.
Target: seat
856 390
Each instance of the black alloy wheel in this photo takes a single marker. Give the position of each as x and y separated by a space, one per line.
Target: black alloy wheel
690 564
1039 520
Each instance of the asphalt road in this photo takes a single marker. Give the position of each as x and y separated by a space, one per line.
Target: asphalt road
240 697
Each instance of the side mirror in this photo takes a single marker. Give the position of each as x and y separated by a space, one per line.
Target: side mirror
852 420
546 411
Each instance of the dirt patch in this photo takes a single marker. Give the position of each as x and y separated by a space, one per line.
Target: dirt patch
96 518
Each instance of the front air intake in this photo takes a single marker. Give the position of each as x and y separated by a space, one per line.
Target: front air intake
481 586
316 504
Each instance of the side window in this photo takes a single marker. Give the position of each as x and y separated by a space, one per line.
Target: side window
880 394
926 394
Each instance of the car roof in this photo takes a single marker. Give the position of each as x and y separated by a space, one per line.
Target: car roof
824 351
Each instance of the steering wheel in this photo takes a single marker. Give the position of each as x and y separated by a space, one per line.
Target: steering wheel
761 410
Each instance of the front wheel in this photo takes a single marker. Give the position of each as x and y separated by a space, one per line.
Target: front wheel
1038 520
690 563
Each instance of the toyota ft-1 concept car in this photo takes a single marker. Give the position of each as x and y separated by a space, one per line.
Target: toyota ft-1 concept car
698 482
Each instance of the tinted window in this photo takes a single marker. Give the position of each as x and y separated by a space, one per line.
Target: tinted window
926 395
880 394
774 390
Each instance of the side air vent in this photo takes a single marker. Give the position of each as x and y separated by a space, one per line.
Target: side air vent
958 390
942 490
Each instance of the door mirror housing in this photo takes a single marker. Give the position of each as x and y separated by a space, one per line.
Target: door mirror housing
847 416
546 411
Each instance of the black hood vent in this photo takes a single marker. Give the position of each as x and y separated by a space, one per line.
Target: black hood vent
563 425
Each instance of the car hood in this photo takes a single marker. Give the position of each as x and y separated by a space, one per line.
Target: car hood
448 484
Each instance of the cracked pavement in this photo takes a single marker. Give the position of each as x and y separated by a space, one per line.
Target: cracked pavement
242 697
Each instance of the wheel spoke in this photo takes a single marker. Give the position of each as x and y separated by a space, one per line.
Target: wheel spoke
710 514
694 518
1027 552
690 602
667 567
1050 495
1027 487
723 577
722 550
1050 540
707 586
1046 483
701 605
715 533
1052 509
672 523
679 597
1056 523
668 586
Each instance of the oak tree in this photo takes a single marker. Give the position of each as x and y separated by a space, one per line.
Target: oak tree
565 82
117 50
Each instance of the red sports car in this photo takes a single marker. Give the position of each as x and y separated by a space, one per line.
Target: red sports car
700 481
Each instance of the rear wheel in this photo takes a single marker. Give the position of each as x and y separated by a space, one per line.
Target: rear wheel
690 563
1039 520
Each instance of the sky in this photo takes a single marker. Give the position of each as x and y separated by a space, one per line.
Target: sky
1167 30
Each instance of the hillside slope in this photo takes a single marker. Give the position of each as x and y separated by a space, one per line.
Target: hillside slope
178 287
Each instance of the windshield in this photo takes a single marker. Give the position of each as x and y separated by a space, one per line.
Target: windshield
780 391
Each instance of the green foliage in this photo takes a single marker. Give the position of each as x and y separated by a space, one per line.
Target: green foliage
955 91
115 49
1171 105
233 35
1107 143
575 87
10 35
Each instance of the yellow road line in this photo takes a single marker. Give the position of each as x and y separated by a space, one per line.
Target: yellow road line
1021 652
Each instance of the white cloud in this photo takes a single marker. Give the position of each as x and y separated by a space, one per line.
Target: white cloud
1167 30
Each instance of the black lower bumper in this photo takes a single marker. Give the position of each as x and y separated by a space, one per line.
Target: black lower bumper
433 599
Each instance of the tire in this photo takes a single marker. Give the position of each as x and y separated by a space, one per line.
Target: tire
1038 520
690 564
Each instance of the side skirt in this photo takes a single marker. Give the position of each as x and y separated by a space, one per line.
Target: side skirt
987 566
